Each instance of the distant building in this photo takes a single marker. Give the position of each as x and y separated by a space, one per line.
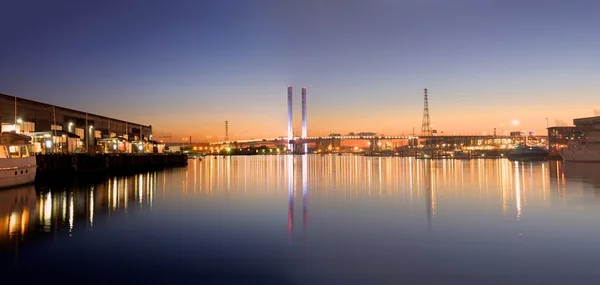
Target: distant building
587 123
559 136
522 134
60 129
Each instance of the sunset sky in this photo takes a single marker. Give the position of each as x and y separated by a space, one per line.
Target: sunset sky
185 67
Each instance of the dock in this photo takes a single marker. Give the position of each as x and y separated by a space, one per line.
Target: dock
124 163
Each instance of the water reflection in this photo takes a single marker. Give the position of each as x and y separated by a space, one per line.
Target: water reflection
365 213
501 185
17 208
67 210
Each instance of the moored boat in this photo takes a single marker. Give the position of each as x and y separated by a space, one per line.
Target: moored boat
528 153
17 165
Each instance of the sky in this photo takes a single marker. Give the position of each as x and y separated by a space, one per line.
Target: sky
186 67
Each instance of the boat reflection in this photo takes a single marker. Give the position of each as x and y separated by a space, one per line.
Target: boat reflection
26 213
17 207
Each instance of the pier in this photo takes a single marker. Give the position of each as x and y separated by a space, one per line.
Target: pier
74 164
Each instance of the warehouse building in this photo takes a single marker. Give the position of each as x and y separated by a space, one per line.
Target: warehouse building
59 129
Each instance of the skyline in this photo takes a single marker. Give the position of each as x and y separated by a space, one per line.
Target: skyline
187 67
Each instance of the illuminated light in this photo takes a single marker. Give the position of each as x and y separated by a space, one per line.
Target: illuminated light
19 121
92 207
114 146
71 212
48 144
140 147
91 127
12 223
47 212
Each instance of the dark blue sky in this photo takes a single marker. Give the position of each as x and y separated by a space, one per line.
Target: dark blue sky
187 66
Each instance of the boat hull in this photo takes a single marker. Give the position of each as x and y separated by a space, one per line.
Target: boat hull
17 171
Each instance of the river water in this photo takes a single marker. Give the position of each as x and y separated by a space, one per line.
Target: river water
311 220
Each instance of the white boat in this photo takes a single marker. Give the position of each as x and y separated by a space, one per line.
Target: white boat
587 150
17 165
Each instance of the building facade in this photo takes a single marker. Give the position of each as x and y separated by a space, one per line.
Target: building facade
60 129
559 136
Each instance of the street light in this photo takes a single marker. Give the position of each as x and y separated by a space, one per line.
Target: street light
19 122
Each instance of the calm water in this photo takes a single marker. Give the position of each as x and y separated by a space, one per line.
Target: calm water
312 220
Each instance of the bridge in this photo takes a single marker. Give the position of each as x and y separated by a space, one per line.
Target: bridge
323 143
304 140
299 144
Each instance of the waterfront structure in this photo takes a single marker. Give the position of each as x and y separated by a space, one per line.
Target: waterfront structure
60 129
290 134
559 136
426 125
304 130
586 147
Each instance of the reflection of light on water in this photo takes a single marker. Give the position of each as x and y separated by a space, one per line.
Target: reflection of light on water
147 188
380 175
304 191
17 222
64 206
228 173
195 174
518 189
114 194
46 212
141 188
92 206
544 170
151 187
433 192
369 175
504 180
24 220
410 177
290 174
12 223
71 212
126 194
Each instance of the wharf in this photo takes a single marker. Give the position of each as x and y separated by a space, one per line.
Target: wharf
74 164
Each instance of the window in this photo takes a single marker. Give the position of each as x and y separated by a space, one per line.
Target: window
80 132
3 152
14 151
28 127
24 152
